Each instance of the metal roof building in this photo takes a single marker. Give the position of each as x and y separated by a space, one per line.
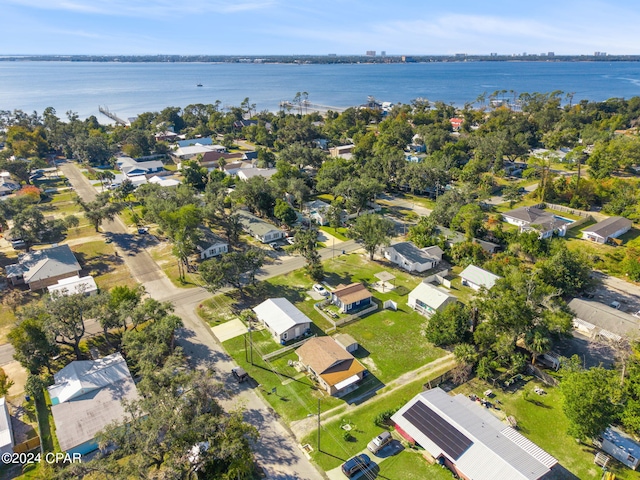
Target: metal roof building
597 319
476 278
282 318
469 440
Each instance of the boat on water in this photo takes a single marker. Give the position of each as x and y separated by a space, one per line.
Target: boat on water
199 85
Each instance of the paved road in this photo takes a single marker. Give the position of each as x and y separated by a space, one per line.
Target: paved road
276 450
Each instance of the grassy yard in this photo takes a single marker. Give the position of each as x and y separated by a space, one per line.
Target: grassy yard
335 449
163 256
411 465
98 259
340 233
295 395
541 419
217 309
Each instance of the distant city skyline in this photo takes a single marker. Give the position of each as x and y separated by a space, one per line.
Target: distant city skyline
297 27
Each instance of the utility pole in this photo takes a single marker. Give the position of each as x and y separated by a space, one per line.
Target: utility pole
319 449
251 340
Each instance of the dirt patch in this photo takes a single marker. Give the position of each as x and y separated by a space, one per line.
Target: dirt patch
371 365
18 374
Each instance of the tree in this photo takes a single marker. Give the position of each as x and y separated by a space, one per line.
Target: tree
257 195
194 174
512 193
65 319
188 435
99 210
232 269
285 213
33 346
468 219
372 231
334 213
591 400
305 242
566 270
5 383
448 326
537 342
422 234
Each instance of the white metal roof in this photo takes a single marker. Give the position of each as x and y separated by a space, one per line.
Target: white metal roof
74 285
479 276
280 315
431 295
496 452
6 432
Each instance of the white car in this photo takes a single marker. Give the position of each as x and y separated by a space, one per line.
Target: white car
321 290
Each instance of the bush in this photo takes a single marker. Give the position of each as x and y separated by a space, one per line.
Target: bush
383 419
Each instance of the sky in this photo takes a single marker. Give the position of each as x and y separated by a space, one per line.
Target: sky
317 27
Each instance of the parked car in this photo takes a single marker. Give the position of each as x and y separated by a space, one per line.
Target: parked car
615 304
240 374
290 240
143 230
321 290
379 442
356 464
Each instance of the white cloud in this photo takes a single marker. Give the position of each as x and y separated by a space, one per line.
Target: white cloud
148 8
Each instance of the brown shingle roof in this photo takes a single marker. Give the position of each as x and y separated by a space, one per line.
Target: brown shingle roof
351 293
329 360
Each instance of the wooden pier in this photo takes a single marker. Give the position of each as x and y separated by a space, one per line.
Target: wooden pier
105 111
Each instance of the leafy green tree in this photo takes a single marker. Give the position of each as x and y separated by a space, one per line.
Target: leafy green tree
537 341
334 213
257 195
99 210
372 231
468 219
448 326
285 213
33 346
512 194
423 233
591 401
231 270
566 270
194 175
305 242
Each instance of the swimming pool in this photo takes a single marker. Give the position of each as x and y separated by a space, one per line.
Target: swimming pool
563 219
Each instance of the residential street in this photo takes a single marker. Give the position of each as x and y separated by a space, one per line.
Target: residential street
276 451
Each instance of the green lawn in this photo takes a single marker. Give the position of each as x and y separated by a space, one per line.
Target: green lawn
295 395
541 419
335 449
411 465
163 256
217 309
340 233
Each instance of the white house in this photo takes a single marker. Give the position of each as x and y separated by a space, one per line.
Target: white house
477 278
86 397
282 319
612 227
6 430
132 167
74 285
536 219
412 258
165 181
428 299
621 447
247 173
210 245
259 229
473 443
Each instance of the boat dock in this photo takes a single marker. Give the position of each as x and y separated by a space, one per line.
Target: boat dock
105 111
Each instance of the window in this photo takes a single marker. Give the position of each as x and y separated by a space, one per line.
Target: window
284 336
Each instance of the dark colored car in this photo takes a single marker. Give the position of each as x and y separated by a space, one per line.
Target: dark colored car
240 374
356 464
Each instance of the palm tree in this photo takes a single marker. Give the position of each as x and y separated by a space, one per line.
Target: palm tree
537 342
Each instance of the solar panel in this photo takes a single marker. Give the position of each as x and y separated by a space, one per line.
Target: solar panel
438 430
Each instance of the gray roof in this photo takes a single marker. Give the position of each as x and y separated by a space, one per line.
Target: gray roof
608 227
605 317
479 276
46 263
248 173
208 238
528 214
431 295
79 418
414 254
280 315
453 237
497 451
255 225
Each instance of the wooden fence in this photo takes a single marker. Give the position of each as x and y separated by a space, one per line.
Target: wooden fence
285 350
28 445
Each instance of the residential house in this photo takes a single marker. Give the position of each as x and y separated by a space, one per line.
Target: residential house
7 441
192 150
166 136
204 141
477 278
41 268
536 219
131 167
74 286
456 123
595 319
317 211
211 160
282 319
210 245
453 237
335 369
166 181
343 151
258 228
473 443
247 173
602 231
412 258
352 297
428 299
87 396
620 446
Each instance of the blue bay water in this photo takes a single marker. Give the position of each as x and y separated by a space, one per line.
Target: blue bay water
132 88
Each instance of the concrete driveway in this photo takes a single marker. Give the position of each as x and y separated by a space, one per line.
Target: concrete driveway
390 450
228 330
